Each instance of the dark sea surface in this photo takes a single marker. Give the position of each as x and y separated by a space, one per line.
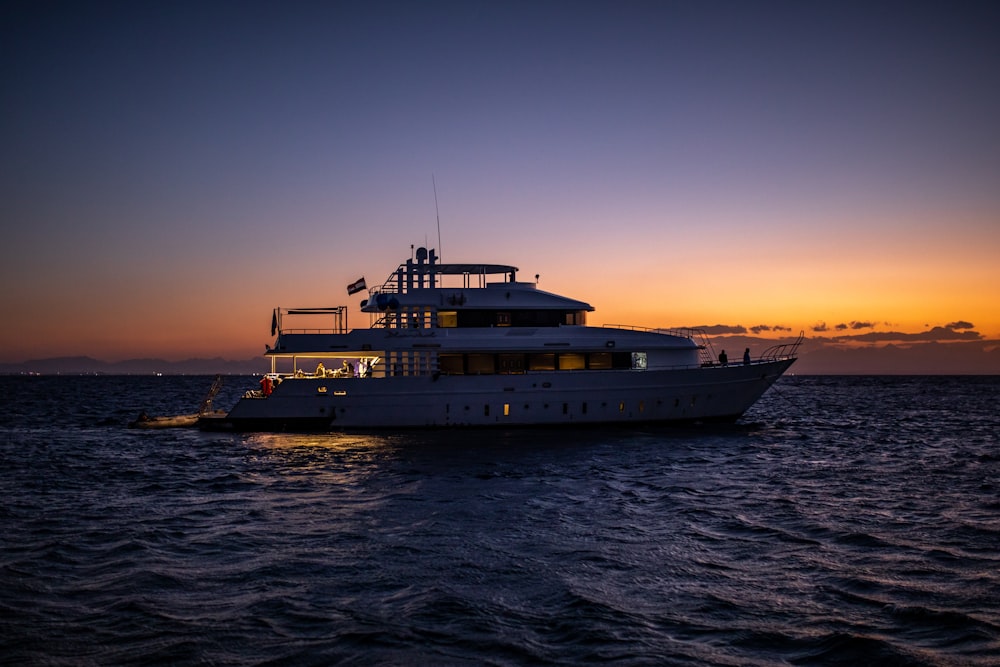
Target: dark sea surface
843 521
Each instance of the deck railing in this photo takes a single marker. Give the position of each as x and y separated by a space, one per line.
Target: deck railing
783 351
337 316
705 351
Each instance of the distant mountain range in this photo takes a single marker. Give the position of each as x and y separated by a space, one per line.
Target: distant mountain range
816 357
91 366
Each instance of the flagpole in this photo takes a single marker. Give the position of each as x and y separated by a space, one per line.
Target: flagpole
437 214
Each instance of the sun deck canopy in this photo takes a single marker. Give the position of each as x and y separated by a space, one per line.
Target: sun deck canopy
472 269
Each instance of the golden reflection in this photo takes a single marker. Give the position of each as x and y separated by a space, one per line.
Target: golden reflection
330 460
343 442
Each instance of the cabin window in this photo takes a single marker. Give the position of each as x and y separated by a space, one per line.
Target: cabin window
447 319
506 409
639 361
450 364
503 319
571 361
481 364
599 360
545 361
511 364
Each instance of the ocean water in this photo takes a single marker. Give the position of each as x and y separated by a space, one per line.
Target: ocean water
843 521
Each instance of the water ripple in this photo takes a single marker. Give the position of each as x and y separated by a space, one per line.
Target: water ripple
845 521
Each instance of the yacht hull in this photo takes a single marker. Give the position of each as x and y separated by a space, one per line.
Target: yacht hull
713 393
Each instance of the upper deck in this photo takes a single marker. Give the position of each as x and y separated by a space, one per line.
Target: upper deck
425 271
423 293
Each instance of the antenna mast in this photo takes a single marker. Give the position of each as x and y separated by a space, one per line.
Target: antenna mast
437 214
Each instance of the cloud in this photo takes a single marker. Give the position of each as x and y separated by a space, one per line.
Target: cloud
961 324
717 329
739 329
854 325
761 328
934 334
820 327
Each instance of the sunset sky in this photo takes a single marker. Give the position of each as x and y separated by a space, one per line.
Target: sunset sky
172 171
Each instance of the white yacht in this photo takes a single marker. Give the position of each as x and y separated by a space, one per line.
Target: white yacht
469 345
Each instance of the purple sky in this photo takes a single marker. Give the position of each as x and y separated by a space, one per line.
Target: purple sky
172 171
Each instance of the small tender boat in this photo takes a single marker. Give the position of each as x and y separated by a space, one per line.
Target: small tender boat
176 421
205 411
470 345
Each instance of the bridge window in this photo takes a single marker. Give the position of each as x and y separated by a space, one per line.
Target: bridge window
514 318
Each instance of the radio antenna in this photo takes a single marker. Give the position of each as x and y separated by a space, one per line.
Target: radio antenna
437 214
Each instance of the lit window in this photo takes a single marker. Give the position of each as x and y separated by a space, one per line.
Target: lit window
544 361
511 363
571 361
481 364
600 360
